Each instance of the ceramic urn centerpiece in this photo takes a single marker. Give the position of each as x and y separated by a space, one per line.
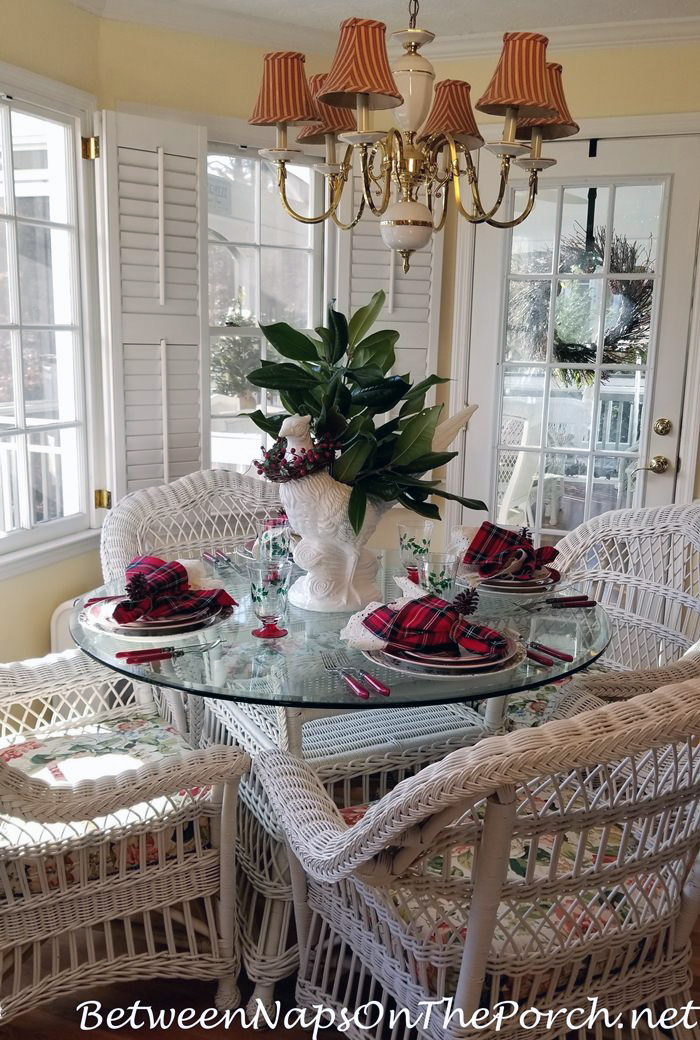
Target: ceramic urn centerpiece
353 441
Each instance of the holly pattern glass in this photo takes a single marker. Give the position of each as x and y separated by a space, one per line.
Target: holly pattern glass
437 574
414 545
274 540
269 587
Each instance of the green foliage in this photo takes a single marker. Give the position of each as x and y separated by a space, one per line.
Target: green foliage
339 376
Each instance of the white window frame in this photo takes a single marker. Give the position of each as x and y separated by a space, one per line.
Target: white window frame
61 539
318 251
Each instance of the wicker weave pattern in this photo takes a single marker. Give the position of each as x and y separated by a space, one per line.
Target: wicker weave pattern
116 878
419 899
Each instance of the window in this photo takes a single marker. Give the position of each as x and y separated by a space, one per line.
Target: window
43 473
264 267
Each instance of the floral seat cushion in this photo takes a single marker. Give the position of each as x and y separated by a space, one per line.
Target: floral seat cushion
89 750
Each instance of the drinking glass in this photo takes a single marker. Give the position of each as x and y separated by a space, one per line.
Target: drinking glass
269 586
437 574
274 540
414 545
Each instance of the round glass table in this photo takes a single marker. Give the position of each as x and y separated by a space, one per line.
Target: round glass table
290 672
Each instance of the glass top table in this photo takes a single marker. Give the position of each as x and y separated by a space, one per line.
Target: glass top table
289 672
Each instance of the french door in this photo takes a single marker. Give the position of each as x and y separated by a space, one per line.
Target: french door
579 336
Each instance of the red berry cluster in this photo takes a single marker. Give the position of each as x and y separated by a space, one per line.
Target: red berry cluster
277 467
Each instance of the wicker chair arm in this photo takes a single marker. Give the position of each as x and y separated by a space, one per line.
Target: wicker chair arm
32 799
623 685
70 675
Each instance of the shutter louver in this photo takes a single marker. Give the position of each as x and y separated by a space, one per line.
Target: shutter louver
412 299
153 205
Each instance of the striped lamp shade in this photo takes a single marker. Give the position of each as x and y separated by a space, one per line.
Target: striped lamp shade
284 93
552 127
452 114
330 119
520 80
361 66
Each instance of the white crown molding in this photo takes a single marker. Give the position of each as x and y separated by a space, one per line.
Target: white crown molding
24 85
184 16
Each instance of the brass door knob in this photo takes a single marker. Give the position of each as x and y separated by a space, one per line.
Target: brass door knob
658 464
662 427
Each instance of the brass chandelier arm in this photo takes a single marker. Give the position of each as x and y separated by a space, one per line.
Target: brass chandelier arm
368 178
349 226
474 185
532 195
336 183
445 200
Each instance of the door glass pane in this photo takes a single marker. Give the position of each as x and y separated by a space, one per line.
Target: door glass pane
7 389
277 227
620 410
533 240
563 491
5 315
528 321
614 482
45 275
636 227
517 487
583 229
48 365
231 183
9 486
628 321
576 319
41 171
285 284
233 285
523 399
53 474
571 396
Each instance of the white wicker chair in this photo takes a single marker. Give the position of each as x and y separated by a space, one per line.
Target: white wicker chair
117 842
643 566
356 754
542 867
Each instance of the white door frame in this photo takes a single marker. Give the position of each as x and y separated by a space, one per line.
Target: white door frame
672 125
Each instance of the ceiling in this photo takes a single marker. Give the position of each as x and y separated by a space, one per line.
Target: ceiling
463 26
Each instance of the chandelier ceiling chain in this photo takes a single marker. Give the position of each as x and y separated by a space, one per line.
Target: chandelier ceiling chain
427 158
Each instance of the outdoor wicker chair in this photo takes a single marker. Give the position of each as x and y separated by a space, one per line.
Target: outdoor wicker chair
544 867
117 842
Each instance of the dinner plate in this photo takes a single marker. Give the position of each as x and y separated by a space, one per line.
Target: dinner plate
417 671
451 663
98 617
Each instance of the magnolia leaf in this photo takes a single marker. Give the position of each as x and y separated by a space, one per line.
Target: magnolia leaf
431 460
338 327
469 503
416 438
357 507
382 396
428 509
364 318
368 375
268 423
282 377
349 464
289 342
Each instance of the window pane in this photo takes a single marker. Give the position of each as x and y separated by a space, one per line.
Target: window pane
40 158
232 358
285 277
523 396
45 275
563 491
636 227
583 229
5 315
576 318
278 228
54 474
517 487
533 240
620 410
232 190
3 186
7 389
48 363
233 285
571 394
528 321
614 482
9 486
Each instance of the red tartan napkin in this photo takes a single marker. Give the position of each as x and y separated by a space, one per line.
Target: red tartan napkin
157 590
433 625
493 549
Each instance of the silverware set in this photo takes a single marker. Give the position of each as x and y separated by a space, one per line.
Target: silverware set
337 662
163 653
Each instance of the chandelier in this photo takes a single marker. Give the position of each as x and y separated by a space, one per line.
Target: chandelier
409 171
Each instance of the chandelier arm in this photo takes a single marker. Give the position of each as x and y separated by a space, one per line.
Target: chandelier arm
476 217
348 227
532 195
336 184
474 185
446 198
366 163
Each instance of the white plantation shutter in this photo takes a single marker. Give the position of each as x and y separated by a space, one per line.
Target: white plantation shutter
154 274
412 306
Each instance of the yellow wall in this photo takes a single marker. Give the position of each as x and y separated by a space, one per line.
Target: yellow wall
122 63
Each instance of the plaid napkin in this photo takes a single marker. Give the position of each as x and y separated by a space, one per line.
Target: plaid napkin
433 625
158 590
493 549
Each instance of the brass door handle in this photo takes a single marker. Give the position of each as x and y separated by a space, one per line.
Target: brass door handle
658 464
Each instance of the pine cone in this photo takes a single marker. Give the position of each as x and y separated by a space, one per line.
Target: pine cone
467 602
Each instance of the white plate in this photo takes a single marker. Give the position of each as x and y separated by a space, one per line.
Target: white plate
416 671
98 617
